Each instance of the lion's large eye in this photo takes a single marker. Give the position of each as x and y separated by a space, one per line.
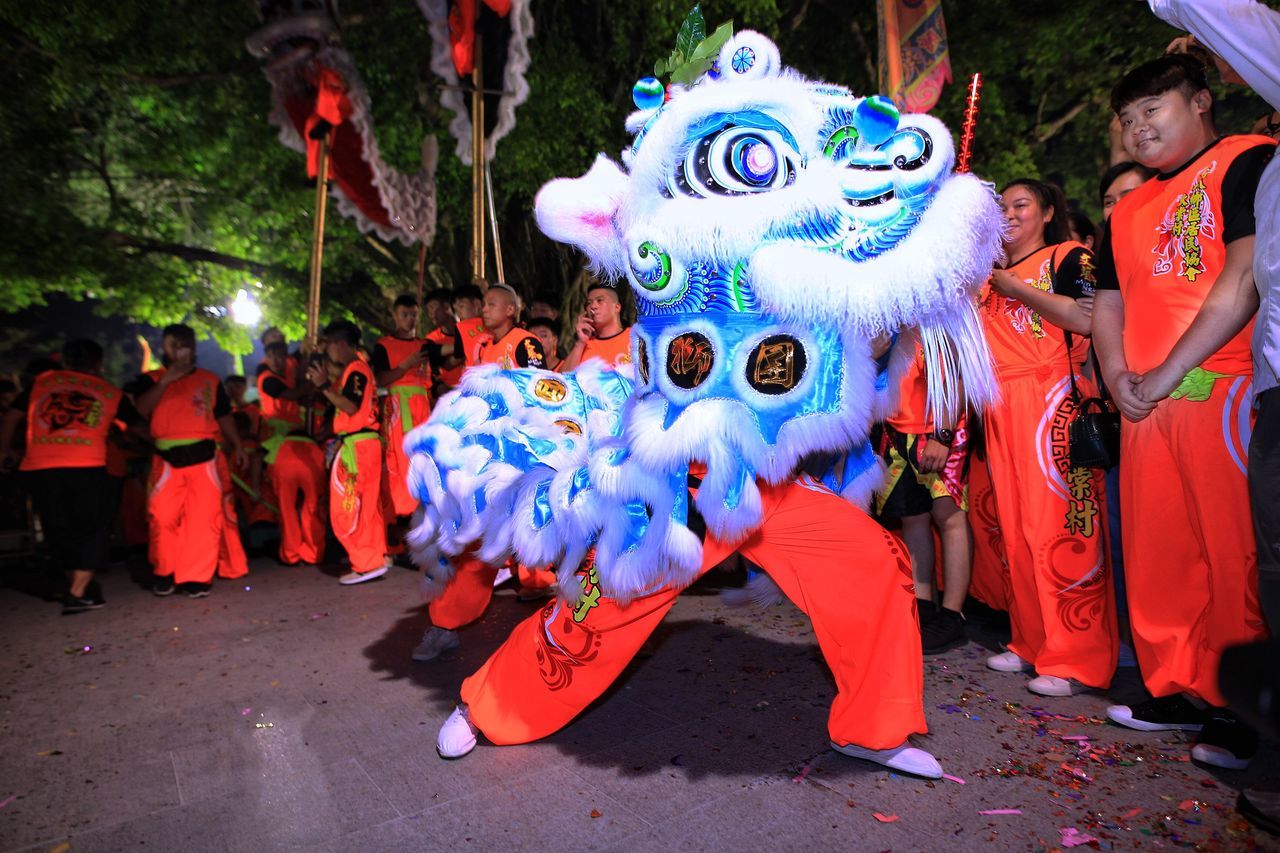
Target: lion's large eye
735 160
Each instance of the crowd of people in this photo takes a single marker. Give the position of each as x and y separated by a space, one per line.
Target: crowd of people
1154 561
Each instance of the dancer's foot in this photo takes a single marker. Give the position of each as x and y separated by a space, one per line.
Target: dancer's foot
1052 685
904 758
162 585
943 630
1164 714
435 642
360 577
1225 741
926 609
1008 662
457 736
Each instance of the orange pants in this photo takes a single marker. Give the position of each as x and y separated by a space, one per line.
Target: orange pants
231 559
185 511
990 581
849 575
1190 559
419 405
355 508
1053 524
466 596
298 478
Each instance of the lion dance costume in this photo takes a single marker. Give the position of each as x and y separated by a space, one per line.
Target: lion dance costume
770 227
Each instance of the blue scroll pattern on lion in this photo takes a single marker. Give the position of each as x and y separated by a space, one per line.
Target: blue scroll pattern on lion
770 227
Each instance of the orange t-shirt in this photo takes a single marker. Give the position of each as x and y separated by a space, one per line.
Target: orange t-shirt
473 336
357 380
518 348
277 409
612 351
1168 244
397 350
186 408
1019 337
68 419
453 375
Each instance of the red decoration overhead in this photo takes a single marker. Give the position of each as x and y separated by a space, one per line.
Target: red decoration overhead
462 30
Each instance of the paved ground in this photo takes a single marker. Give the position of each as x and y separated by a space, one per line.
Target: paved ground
284 712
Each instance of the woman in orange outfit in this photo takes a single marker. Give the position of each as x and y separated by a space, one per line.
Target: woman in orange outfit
1036 313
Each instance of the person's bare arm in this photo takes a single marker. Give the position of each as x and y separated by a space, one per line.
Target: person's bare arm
148 400
1060 310
1108 343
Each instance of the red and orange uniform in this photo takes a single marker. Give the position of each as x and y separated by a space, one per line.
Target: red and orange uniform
185 503
295 470
517 348
1051 515
355 484
408 403
1189 551
614 351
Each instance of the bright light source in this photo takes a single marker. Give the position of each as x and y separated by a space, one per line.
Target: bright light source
244 310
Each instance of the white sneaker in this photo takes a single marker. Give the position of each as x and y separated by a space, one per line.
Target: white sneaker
360 577
1008 662
904 758
503 575
457 736
435 642
1052 685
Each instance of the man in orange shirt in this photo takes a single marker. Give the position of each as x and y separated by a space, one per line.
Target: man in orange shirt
69 413
355 486
547 331
295 463
509 346
188 411
401 365
1171 322
465 598
600 331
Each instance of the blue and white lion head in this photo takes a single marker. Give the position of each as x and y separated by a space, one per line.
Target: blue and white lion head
770 226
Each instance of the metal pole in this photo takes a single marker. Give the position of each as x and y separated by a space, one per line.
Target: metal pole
317 244
477 163
493 222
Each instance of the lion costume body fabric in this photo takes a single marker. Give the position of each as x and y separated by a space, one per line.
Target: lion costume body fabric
770 228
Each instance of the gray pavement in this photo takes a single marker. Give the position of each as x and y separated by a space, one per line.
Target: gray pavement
283 712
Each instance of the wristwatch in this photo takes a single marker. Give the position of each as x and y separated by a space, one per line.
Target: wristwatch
944 436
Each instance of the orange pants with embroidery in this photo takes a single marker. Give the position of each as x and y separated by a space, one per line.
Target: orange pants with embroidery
1190 557
1053 525
297 476
231 559
849 575
990 580
402 502
355 507
186 519
465 598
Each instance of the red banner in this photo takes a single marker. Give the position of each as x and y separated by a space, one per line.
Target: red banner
914 60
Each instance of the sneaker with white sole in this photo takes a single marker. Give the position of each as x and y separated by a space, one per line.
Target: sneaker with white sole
1173 713
1225 741
457 736
1052 685
1008 662
435 642
360 577
905 758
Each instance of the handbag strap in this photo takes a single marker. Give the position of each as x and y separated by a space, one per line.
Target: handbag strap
1103 392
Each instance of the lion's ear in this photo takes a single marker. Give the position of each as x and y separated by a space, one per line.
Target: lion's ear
581 212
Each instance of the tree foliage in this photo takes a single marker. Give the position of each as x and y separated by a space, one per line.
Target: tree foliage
140 170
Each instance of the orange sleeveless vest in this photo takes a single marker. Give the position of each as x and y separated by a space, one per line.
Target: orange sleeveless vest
68 420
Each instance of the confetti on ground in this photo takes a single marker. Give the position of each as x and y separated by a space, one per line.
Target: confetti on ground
1131 813
7 800
595 814
804 771
1072 837
244 712
48 752
315 616
884 818
1001 811
264 725
951 778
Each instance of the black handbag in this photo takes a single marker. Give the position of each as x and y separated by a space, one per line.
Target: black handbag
1093 436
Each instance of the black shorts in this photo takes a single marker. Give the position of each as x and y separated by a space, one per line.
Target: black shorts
75 509
908 491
